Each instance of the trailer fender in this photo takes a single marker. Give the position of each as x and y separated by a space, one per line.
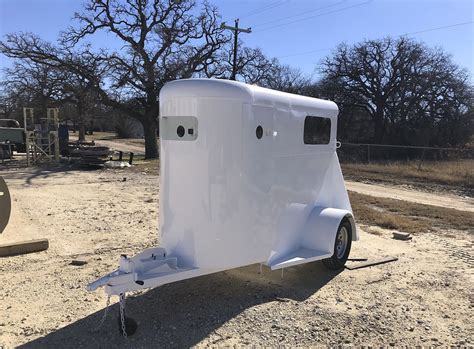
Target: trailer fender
321 227
5 205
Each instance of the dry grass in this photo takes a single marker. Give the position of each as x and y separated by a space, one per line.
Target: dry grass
407 216
452 173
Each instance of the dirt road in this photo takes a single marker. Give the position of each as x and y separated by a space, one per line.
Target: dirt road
107 139
398 193
128 146
425 298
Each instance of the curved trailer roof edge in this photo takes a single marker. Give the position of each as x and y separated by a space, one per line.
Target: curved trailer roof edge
252 94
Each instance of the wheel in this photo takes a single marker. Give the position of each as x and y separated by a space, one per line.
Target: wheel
342 247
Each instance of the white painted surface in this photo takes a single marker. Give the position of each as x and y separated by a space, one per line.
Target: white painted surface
229 199
300 256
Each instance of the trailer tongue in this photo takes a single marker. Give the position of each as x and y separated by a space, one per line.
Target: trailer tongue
247 175
151 268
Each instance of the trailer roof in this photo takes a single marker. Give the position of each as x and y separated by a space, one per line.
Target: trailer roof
248 93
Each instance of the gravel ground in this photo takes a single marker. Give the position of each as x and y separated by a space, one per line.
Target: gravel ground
425 298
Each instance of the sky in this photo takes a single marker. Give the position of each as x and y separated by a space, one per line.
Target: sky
298 32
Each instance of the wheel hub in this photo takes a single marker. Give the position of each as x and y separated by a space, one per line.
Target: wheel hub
341 242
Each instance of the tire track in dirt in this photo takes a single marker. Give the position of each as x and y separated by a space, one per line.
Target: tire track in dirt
461 251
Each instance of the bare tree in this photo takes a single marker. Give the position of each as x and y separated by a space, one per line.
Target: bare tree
254 67
39 85
29 84
404 86
162 40
79 91
286 78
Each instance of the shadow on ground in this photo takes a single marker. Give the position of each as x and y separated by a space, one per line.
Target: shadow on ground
30 174
184 313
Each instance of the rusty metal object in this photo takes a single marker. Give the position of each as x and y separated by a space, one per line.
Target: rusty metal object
5 205
371 263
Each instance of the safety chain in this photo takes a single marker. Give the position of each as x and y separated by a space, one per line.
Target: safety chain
106 311
122 315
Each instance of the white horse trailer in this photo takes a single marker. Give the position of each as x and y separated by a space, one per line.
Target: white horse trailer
248 175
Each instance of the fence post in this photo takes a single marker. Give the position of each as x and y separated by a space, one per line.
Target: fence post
368 153
56 146
28 160
421 160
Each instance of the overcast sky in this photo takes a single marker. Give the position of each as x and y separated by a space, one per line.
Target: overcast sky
298 32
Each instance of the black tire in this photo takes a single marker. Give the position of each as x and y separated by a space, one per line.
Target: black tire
20 148
339 257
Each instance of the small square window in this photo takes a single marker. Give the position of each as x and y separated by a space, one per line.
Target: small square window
317 130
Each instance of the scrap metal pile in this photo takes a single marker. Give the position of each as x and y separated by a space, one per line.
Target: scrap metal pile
87 153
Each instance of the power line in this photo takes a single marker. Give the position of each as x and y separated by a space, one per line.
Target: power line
318 15
412 33
305 53
437 28
262 9
299 14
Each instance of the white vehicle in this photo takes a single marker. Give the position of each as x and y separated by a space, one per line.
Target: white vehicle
248 175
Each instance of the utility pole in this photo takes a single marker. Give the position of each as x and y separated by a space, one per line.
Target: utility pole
236 31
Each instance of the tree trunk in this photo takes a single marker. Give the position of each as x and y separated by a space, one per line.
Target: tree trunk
82 126
82 130
150 127
378 131
379 126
